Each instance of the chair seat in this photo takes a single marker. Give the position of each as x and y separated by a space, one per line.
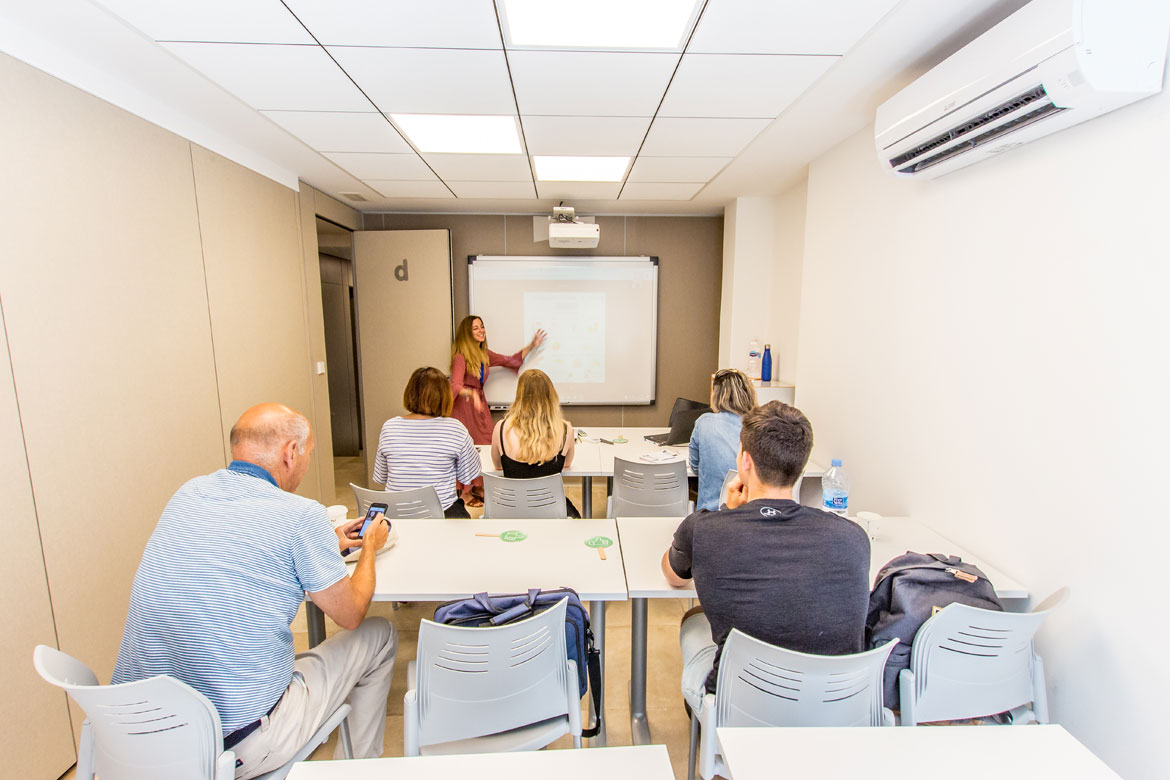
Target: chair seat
531 737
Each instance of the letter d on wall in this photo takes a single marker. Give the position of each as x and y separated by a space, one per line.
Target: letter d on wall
401 272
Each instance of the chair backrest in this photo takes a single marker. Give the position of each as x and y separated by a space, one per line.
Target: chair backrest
726 481
763 685
649 489
420 502
144 730
539 497
478 681
969 662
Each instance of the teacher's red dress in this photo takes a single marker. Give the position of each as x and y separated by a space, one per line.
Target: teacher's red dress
477 421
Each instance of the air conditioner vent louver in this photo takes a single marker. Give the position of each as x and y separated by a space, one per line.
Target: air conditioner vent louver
984 138
956 133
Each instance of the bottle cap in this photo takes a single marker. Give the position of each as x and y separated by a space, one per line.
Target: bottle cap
767 346
836 462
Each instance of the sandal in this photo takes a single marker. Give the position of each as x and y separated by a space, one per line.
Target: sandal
473 500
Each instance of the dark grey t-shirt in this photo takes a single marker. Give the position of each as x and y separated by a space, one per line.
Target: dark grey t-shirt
787 574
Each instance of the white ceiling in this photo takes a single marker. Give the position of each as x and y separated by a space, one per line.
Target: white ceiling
302 89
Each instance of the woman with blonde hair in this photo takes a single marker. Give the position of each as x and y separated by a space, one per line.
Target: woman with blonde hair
715 439
471 360
534 439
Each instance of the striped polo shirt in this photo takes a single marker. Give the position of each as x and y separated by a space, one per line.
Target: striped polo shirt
220 581
433 451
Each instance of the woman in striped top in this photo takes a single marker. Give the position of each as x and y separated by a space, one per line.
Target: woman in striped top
426 446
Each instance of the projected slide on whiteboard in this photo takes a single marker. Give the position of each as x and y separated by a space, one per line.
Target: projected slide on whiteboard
600 313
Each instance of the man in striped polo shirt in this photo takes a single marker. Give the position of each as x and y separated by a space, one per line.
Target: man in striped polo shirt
220 581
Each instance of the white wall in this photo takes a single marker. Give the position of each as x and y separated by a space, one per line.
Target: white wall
745 308
787 266
988 352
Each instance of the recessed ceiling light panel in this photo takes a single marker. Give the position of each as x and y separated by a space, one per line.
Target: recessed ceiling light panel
580 168
645 25
457 134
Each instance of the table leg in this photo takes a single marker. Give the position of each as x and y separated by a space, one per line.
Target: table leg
639 724
586 497
316 620
597 623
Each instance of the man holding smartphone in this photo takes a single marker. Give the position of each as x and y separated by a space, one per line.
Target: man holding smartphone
222 578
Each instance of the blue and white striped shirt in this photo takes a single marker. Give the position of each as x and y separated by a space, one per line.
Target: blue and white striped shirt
220 581
432 451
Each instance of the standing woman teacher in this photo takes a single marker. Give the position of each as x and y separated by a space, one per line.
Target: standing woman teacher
471 360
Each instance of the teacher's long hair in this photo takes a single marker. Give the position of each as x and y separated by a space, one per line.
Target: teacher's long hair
475 354
536 418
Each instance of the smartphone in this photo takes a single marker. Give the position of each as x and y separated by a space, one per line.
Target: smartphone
371 513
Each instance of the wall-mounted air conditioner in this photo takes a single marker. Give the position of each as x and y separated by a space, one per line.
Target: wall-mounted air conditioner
1052 64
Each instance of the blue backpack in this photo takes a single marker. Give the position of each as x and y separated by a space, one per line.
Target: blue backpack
484 610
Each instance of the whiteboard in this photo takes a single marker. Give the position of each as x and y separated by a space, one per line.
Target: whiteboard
601 315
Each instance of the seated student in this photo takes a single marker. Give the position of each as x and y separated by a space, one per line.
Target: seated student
715 439
786 574
222 578
426 446
533 439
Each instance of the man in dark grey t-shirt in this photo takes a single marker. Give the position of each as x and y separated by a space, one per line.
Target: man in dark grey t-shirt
787 574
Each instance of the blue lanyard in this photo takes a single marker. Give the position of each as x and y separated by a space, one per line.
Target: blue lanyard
252 470
481 372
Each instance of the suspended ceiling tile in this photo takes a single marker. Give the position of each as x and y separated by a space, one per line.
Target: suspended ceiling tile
596 190
290 78
562 83
466 24
676 169
700 137
407 167
411 189
481 167
227 21
430 81
604 136
740 85
785 26
333 131
660 190
493 189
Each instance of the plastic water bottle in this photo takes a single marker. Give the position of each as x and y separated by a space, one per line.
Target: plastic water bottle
835 489
766 364
754 355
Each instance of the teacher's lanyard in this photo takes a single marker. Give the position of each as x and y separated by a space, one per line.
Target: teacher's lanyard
481 372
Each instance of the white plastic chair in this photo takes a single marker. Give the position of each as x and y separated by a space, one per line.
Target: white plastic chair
731 473
154 728
420 502
649 490
491 689
968 662
763 685
539 497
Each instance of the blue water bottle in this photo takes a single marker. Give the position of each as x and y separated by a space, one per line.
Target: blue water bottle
766 365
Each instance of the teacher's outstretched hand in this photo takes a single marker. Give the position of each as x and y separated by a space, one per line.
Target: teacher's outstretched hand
537 339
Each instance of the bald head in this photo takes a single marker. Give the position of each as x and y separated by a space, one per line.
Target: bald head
263 433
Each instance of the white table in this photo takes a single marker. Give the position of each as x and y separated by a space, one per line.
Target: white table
441 560
922 753
644 539
649 762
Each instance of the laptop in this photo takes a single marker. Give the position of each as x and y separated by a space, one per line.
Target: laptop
682 422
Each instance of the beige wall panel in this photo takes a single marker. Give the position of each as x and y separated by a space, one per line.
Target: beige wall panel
107 324
37 743
252 251
334 210
315 334
402 325
690 252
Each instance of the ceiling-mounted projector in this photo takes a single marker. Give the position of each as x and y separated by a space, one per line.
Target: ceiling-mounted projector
573 235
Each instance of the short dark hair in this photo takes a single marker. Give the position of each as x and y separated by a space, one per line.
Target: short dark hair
779 438
428 392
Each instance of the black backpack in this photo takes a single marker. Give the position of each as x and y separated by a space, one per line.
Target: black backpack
907 592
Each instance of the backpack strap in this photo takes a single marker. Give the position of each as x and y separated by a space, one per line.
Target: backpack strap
594 667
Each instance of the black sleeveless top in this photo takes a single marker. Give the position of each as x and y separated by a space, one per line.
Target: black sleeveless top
515 469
